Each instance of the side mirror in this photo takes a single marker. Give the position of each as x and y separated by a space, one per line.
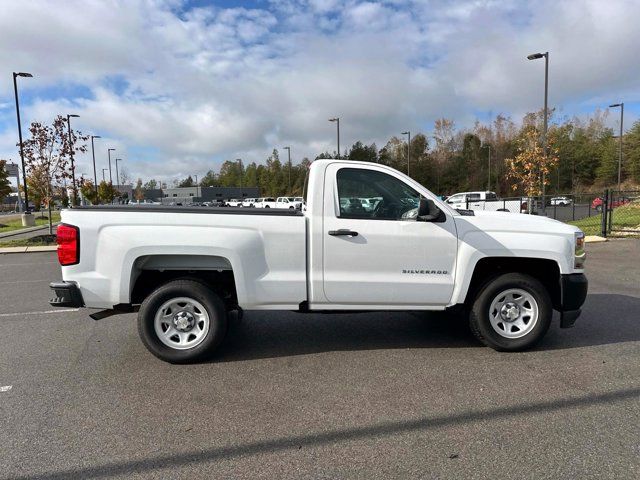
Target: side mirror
428 211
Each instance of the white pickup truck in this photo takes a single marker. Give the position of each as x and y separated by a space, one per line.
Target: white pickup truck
486 201
183 269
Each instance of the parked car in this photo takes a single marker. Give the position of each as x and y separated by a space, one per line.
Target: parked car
288 202
186 271
485 200
560 201
234 202
616 202
248 202
265 202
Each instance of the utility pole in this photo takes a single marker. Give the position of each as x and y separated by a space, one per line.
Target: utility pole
288 149
337 119
621 105
535 56
73 170
95 176
27 218
408 149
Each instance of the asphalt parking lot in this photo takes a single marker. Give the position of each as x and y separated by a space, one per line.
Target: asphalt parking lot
402 395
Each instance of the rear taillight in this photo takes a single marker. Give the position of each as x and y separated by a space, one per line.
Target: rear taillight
68 239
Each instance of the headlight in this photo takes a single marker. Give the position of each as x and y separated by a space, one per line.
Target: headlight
580 255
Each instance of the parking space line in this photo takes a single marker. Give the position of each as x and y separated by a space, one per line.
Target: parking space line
45 312
6 388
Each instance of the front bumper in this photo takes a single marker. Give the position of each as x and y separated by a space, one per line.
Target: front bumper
66 294
573 292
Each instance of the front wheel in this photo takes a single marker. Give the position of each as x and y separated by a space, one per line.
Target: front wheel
182 321
512 312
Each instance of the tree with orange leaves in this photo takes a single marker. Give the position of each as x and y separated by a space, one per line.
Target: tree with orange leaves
531 167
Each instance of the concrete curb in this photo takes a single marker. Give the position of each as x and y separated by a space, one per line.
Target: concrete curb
41 248
594 239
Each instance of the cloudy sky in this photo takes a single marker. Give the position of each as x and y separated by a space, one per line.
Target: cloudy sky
179 86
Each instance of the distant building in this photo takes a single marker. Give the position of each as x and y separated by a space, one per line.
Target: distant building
207 194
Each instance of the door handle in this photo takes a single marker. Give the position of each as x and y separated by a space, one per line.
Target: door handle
343 232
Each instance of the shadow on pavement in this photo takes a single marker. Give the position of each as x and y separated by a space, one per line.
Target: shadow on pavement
606 319
285 334
332 437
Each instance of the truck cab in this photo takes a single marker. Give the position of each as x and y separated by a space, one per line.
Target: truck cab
404 249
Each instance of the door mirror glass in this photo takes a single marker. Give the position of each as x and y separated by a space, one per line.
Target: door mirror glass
428 211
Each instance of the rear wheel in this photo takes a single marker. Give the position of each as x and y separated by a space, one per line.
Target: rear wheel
512 312
182 321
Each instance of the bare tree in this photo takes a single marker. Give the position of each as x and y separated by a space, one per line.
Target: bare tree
47 154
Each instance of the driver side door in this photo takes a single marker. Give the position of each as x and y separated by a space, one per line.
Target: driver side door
389 258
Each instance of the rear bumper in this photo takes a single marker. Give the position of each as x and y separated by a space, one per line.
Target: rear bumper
573 291
66 294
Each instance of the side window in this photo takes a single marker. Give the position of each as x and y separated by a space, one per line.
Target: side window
371 194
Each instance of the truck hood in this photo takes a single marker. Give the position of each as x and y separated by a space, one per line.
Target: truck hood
513 222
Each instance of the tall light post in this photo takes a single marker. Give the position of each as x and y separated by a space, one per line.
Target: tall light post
337 120
239 160
93 153
109 150
408 149
288 149
489 176
104 170
621 105
26 219
536 56
73 169
117 177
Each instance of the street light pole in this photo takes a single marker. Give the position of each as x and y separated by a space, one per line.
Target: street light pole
93 153
109 150
408 149
489 178
24 172
73 169
239 160
535 56
104 170
117 176
337 119
288 149
621 105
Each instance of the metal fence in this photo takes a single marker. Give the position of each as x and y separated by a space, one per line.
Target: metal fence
610 213
621 213
566 207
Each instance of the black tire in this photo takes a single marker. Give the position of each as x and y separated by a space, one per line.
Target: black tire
598 208
213 305
267 206
480 323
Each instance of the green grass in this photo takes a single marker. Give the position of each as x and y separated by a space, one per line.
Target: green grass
39 241
16 224
625 217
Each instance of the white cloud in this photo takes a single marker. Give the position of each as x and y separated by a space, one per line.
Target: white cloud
197 86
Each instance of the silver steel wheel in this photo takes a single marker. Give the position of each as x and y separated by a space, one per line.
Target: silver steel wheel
181 323
513 313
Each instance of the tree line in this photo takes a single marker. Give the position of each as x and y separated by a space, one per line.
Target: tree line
498 155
